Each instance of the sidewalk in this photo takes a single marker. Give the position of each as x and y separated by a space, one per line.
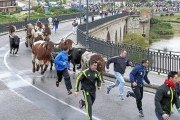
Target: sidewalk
154 78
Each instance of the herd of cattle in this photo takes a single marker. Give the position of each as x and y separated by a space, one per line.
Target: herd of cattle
44 51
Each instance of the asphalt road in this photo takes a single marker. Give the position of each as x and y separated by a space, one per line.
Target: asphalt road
39 98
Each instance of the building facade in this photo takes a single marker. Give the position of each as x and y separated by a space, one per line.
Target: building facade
7 5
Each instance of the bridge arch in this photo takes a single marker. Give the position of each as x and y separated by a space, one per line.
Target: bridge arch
116 41
108 37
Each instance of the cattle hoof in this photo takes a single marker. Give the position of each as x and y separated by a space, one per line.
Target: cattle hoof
26 44
33 70
42 72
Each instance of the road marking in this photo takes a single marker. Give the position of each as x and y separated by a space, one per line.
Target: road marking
77 109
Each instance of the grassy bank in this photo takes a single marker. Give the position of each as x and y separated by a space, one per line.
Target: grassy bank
160 27
10 17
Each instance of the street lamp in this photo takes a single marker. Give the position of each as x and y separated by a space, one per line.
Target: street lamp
60 8
29 11
80 11
87 41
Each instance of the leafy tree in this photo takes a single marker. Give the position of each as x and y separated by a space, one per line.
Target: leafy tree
136 39
64 1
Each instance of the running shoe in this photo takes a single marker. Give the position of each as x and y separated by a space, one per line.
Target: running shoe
128 94
108 90
121 97
141 114
69 92
80 104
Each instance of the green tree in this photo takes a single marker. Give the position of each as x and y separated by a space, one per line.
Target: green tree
135 39
64 1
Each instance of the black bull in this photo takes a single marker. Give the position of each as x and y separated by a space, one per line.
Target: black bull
74 56
14 44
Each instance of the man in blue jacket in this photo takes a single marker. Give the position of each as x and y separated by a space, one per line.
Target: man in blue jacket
62 65
137 75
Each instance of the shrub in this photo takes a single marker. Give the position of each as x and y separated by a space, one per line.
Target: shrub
18 8
136 39
57 13
35 8
11 13
41 10
73 10
154 21
4 13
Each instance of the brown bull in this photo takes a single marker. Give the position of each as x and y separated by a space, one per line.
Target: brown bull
47 32
12 30
40 26
42 54
67 42
88 56
29 29
38 36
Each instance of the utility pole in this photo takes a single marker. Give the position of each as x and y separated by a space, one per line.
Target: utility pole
29 11
87 41
80 11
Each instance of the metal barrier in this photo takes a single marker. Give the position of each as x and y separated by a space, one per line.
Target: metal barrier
160 61
19 25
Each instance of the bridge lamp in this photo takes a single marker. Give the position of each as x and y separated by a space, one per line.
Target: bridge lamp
80 11
29 11
87 41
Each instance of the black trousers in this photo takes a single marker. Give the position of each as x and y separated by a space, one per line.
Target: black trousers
138 94
66 76
89 100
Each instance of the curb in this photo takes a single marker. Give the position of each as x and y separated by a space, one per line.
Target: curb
155 86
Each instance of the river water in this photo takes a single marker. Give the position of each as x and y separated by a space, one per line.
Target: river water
171 43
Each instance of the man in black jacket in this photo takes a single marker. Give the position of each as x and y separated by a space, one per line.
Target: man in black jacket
165 96
88 78
55 24
120 63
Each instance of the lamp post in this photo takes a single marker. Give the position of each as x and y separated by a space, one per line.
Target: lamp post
114 5
60 8
80 11
29 11
87 41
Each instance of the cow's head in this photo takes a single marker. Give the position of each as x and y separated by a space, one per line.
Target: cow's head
11 28
28 32
101 65
46 31
49 47
39 24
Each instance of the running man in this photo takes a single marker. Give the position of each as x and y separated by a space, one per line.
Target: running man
88 78
61 62
120 63
55 23
137 75
166 94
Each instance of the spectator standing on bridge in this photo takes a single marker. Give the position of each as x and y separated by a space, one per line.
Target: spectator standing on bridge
55 24
61 62
120 63
88 78
92 16
50 21
137 75
165 95
74 24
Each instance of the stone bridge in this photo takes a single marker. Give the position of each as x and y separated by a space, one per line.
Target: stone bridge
117 30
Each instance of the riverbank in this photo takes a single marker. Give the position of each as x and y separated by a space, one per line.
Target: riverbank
164 28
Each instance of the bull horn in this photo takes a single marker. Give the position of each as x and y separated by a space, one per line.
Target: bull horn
7 26
75 43
44 45
79 49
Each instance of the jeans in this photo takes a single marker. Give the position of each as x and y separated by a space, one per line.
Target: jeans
56 27
159 116
119 80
